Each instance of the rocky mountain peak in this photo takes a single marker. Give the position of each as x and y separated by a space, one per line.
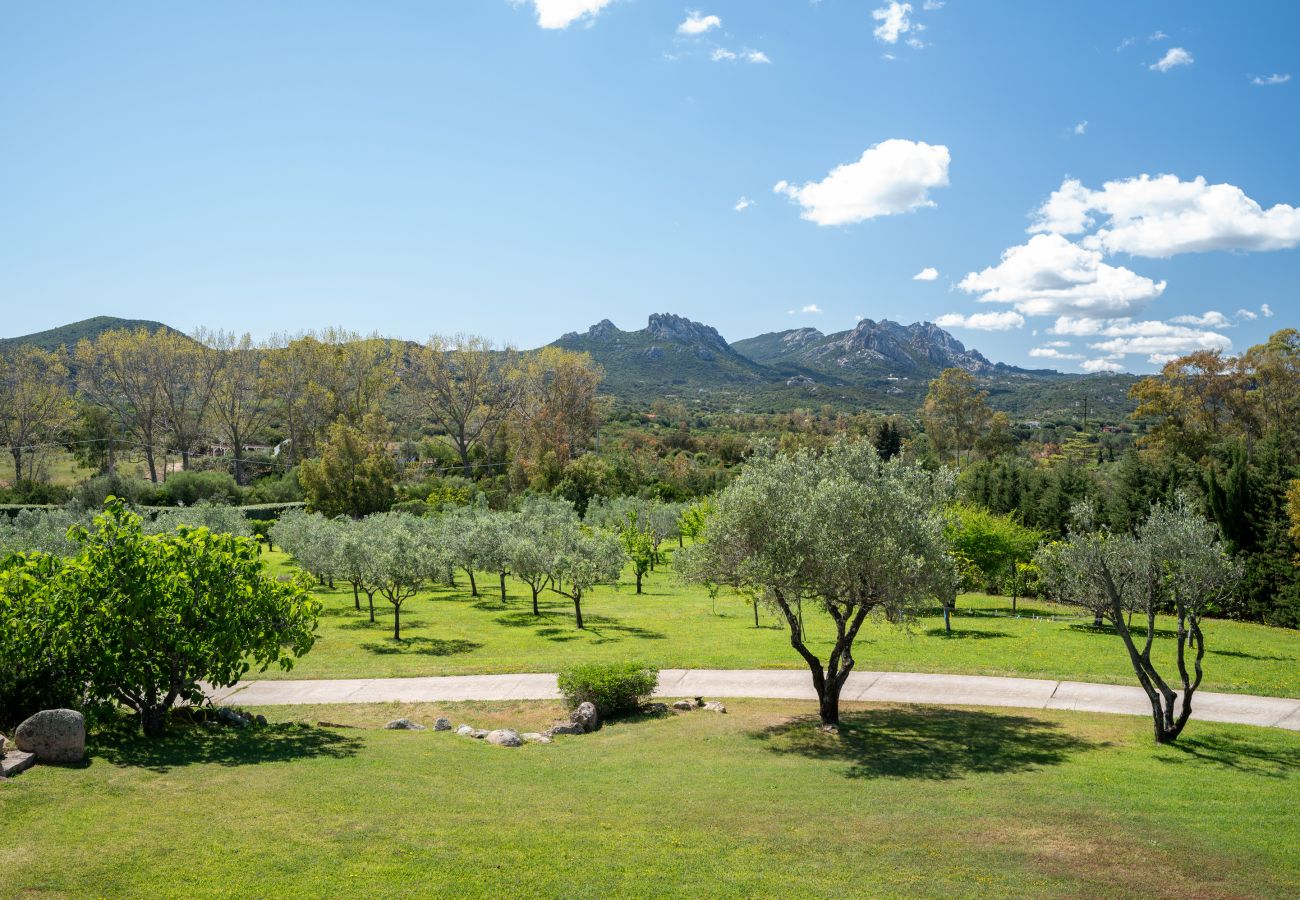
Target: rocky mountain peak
668 327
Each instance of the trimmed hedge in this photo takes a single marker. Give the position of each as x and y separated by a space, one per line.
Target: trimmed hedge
253 512
615 688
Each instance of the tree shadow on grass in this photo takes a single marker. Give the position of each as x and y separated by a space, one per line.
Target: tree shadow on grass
422 646
341 611
123 745
1138 631
557 626
1241 654
965 633
928 743
1243 752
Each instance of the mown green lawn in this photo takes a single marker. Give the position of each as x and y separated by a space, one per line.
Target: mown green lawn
905 801
671 625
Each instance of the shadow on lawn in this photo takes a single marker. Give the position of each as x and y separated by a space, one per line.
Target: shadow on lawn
422 646
556 625
929 743
1241 654
1138 630
123 745
966 633
1243 753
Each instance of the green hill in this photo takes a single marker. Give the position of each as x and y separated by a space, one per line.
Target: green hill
69 335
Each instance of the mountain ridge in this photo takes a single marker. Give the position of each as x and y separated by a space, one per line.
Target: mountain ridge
880 366
68 335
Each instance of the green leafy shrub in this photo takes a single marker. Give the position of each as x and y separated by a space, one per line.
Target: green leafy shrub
92 493
615 688
276 489
144 620
33 675
188 488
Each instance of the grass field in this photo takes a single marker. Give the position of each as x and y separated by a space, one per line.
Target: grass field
905 801
447 632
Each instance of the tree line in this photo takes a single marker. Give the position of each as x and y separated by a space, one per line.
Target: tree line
1221 431
541 542
162 393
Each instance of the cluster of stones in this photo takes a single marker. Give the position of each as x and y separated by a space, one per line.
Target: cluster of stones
582 720
699 703
52 736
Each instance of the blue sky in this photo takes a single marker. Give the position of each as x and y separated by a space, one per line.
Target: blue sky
525 169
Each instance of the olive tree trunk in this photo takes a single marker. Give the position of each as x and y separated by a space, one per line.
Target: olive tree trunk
828 680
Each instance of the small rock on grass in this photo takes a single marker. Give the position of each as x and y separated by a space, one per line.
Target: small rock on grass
534 737
566 728
505 737
586 716
404 724
442 724
715 706
655 709
686 705
464 729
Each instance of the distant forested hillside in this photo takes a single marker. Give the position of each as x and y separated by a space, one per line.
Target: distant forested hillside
69 335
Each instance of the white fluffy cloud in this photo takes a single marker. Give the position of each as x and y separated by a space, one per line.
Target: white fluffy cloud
1161 216
1100 365
929 273
1049 275
892 177
698 23
563 13
812 308
756 56
1081 127
995 321
1051 350
1211 319
1149 338
1275 78
743 204
895 19
1266 311
722 54
1174 56
1117 338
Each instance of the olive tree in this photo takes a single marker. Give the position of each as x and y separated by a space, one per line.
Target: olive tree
148 618
312 540
492 535
41 530
583 559
406 555
840 531
215 517
1172 562
355 562
459 526
537 539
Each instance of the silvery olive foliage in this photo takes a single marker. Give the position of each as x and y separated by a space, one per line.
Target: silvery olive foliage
840 532
1173 564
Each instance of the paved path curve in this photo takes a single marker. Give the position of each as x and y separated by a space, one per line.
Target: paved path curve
884 687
